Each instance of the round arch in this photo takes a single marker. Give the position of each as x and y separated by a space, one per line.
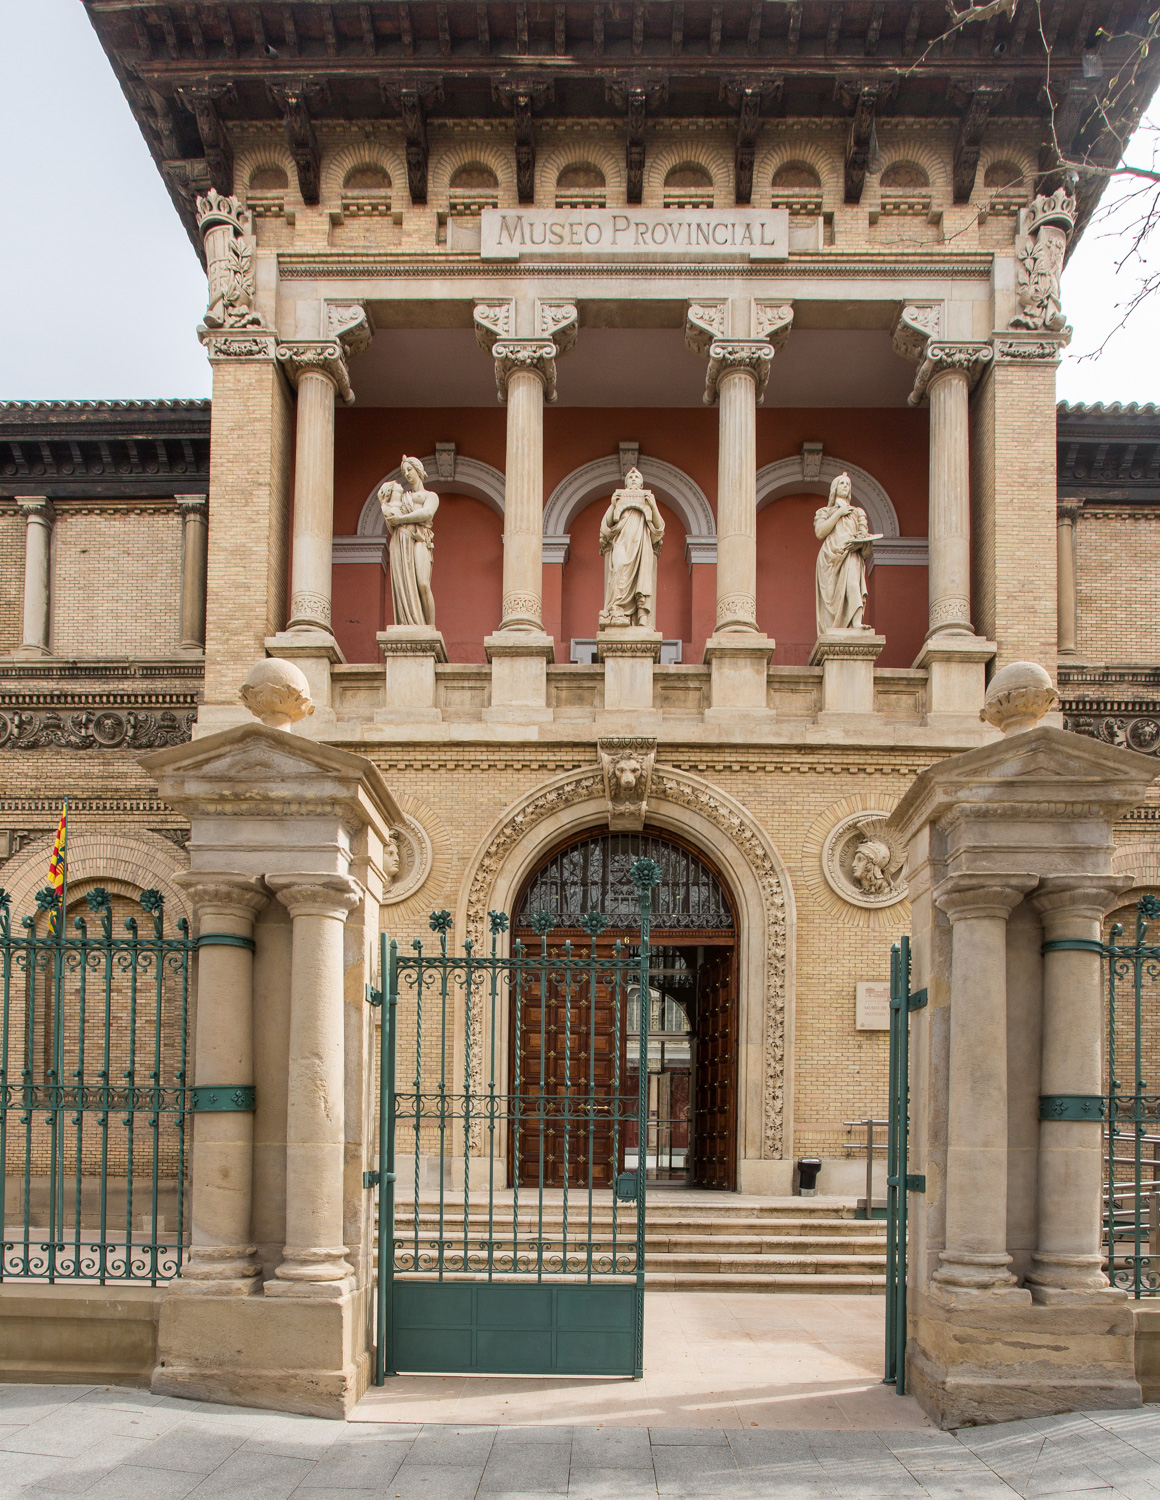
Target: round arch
598 479
125 863
785 478
759 886
471 477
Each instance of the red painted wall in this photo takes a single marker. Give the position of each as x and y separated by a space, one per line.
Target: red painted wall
890 444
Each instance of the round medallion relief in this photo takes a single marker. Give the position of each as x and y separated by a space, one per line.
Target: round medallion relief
416 857
862 864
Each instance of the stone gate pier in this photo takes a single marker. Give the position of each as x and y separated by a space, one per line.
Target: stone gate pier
287 841
1010 874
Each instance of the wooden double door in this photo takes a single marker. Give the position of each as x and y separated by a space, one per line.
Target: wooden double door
575 1074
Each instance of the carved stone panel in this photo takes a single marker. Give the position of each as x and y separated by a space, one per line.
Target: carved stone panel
627 763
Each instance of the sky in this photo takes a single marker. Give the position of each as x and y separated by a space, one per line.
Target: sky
104 290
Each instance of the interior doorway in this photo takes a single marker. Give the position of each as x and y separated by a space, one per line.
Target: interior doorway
567 1046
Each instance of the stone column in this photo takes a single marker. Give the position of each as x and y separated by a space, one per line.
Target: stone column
314 1259
1066 516
954 657
1067 1264
949 524
39 515
975 1256
525 368
737 371
194 536
317 368
223 1260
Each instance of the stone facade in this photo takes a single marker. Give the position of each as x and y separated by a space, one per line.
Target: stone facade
851 310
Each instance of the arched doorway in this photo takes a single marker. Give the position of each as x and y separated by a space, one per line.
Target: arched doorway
565 1049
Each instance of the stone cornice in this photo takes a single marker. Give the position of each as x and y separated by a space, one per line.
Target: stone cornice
811 264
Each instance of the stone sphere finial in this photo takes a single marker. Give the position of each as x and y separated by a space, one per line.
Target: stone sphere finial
1018 697
276 692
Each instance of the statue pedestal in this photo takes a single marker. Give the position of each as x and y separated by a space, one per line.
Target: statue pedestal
313 652
956 667
519 676
847 659
739 664
628 654
410 653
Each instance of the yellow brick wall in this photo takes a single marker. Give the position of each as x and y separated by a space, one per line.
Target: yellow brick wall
11 580
1117 583
1014 506
116 584
251 454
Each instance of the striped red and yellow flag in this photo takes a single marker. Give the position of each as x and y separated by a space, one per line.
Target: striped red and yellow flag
58 866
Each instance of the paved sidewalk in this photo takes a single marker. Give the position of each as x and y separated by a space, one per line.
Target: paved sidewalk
110 1444
711 1359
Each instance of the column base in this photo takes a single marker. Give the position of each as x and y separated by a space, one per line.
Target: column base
313 651
739 665
225 1271
963 1277
996 1361
628 655
519 676
1070 1280
956 668
30 653
306 1355
847 659
410 653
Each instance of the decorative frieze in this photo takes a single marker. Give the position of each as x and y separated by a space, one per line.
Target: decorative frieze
100 729
1132 725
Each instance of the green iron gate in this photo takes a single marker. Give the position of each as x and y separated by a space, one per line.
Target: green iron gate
93 1030
483 1267
900 1181
1130 1106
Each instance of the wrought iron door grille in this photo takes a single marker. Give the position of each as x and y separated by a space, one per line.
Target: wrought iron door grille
482 1265
93 1036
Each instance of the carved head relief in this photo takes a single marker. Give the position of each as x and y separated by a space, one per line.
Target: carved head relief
627 775
391 857
862 864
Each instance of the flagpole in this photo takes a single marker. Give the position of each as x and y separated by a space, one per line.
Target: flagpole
64 870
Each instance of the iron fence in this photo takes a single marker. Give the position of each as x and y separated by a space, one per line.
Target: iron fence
93 1039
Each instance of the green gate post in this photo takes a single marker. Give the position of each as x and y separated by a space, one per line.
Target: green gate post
384 1281
645 874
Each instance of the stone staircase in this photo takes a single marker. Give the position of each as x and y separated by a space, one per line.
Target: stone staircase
694 1241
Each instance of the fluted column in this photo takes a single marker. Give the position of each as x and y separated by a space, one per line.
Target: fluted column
194 536
39 516
525 370
318 369
314 1259
742 369
975 1256
1067 613
222 1259
1067 1264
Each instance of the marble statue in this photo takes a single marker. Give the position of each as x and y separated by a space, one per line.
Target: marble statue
842 529
409 511
1039 251
631 535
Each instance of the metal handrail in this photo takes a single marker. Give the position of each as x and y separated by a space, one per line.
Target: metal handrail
870 1146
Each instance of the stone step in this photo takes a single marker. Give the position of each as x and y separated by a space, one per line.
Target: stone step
803 1265
711 1245
667 1281
759 1228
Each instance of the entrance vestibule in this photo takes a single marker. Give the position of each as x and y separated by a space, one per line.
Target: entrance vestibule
574 1047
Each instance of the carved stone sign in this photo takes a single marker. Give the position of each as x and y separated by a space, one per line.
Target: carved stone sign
872 1006
635 234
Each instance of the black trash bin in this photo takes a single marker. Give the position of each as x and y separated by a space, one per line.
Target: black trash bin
808 1169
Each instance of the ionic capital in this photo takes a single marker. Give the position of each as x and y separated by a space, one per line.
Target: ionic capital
967 897
37 510
317 357
531 356
192 507
316 895
749 356
967 359
1063 899
1067 512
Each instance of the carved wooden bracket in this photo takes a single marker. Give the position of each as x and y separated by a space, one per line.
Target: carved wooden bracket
201 100
866 100
636 99
294 100
748 98
980 100
522 98
413 99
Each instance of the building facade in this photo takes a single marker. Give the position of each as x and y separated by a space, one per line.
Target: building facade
741 250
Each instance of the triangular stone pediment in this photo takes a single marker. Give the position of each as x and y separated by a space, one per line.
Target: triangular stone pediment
251 765
1043 768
